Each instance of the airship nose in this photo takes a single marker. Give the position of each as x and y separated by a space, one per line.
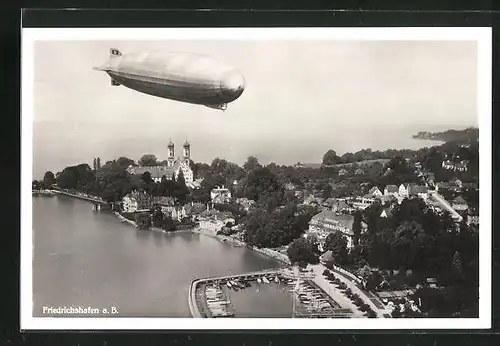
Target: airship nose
232 84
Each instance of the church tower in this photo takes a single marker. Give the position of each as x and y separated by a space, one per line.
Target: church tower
186 152
171 154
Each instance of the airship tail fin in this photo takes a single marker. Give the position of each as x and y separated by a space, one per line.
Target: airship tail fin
113 52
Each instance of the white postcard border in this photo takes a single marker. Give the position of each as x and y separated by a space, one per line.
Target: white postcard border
482 35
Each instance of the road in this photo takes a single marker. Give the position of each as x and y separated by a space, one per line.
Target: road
338 296
444 203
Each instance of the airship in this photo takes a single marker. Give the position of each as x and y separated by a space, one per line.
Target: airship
184 77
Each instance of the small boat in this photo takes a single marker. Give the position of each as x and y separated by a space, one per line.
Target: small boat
229 284
259 280
277 280
265 280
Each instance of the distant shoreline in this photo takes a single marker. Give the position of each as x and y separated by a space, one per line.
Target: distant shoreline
467 135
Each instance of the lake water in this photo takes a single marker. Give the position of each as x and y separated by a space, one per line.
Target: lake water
88 259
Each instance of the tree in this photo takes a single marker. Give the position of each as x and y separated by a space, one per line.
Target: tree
330 158
337 243
181 191
148 160
302 251
143 221
251 164
125 162
98 163
457 263
49 178
35 185
146 178
356 227
263 186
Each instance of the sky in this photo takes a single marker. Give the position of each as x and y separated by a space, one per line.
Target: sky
301 99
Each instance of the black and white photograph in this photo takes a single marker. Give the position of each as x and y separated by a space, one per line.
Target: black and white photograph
256 178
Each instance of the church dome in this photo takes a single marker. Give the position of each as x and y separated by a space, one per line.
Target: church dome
171 144
186 144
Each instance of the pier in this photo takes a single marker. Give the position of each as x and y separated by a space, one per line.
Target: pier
99 203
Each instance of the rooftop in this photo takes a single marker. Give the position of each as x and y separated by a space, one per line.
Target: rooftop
330 217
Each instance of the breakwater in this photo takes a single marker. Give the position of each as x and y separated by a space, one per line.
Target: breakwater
194 296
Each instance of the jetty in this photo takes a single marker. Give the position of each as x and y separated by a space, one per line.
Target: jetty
98 203
197 299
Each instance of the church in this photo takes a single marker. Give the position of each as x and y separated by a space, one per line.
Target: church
172 167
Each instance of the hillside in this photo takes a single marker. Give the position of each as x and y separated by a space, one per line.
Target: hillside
468 135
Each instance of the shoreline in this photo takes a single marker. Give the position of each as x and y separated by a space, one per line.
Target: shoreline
283 259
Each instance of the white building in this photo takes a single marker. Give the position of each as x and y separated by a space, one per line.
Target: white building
362 202
403 191
327 222
220 195
129 204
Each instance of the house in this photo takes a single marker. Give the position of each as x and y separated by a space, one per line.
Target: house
165 203
461 166
329 221
472 220
343 171
387 212
135 201
419 191
196 184
391 190
220 195
289 186
448 164
326 257
447 186
455 166
177 213
459 204
363 202
312 200
386 199
359 171
329 203
375 191
432 282
245 203
403 190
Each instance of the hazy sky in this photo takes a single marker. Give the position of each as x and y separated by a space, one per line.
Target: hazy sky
301 98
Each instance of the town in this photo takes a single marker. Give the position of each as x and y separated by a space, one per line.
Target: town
402 223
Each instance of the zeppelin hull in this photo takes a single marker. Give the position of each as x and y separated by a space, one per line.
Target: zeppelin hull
180 77
186 92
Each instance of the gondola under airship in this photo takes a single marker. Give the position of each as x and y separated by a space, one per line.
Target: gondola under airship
191 78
